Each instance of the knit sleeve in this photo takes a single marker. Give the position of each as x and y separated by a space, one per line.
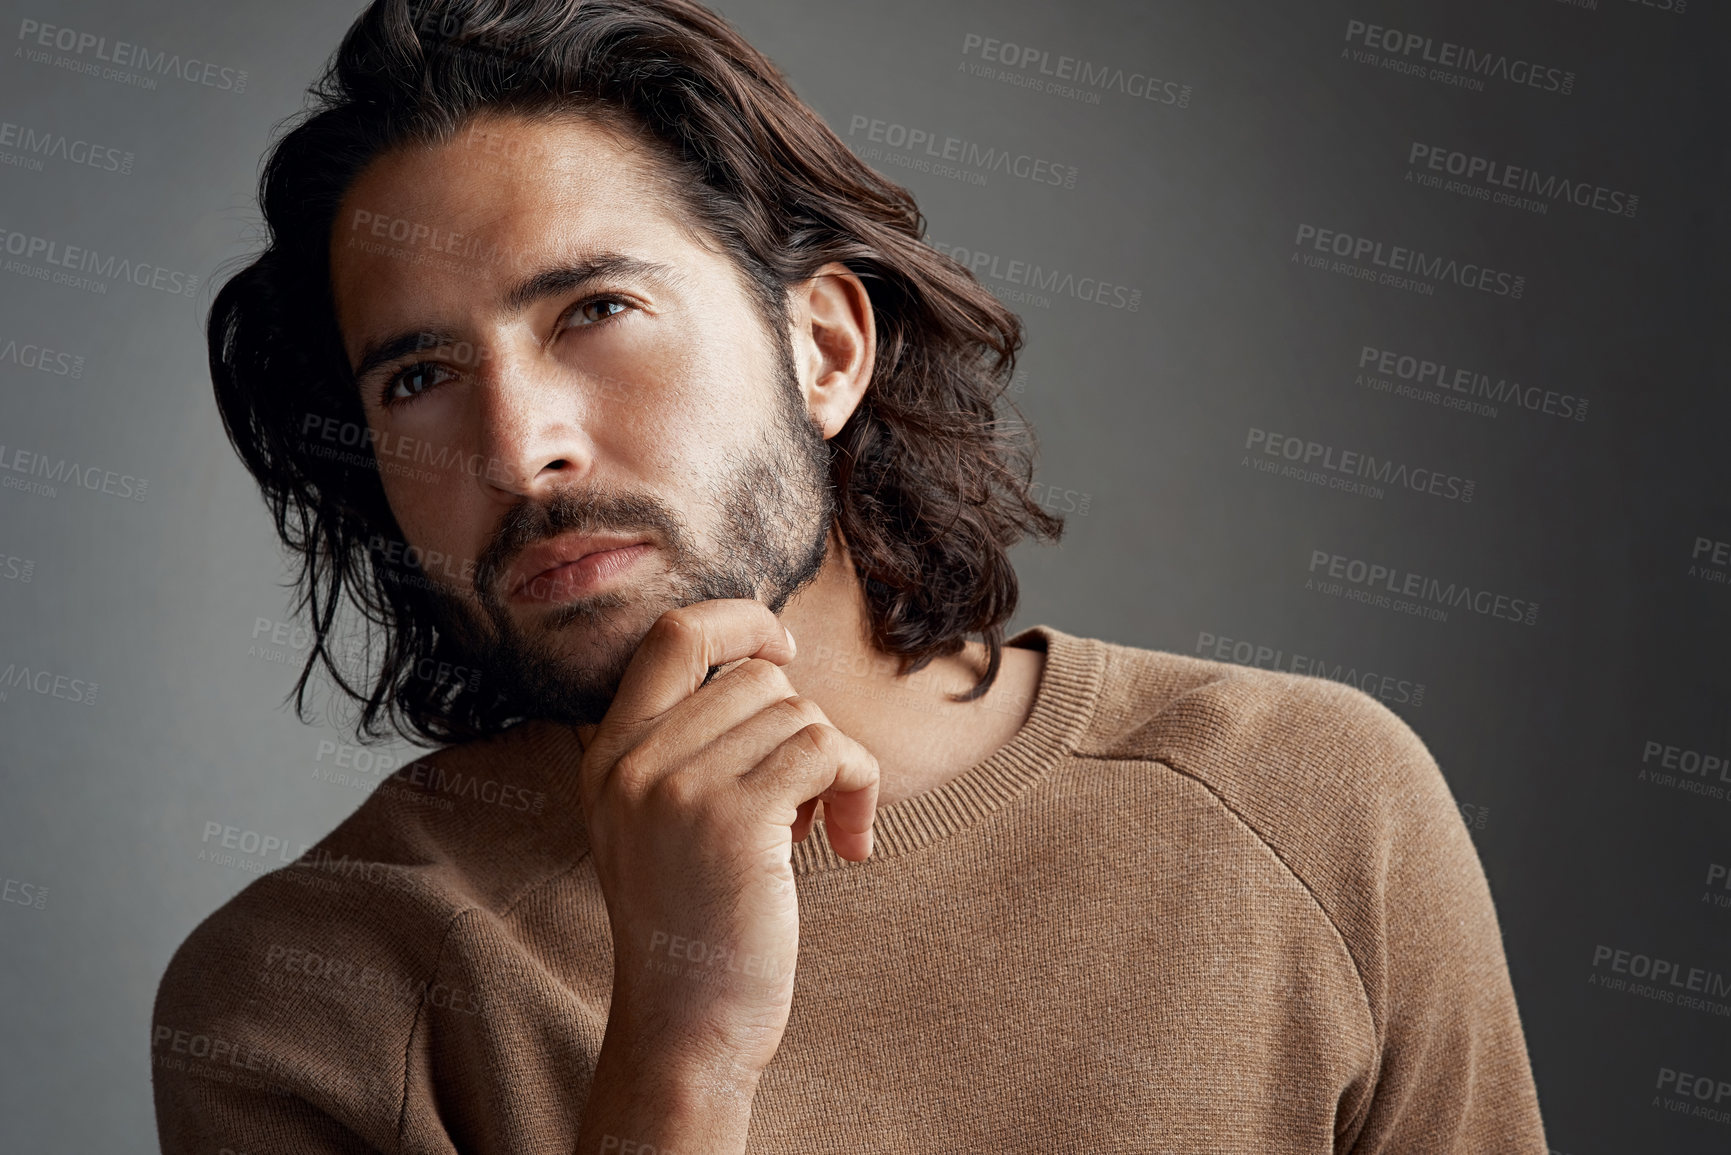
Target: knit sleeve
282 1025
1452 1074
1350 800
218 1112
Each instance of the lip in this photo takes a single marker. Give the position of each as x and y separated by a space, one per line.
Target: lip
556 569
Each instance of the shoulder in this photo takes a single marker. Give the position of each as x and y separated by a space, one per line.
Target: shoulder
1336 786
1350 801
1265 741
1241 728
311 980
300 987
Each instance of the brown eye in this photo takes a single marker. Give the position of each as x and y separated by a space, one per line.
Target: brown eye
414 381
609 307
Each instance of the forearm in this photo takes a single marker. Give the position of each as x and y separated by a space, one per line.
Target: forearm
648 1100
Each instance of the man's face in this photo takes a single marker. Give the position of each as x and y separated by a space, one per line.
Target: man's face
552 366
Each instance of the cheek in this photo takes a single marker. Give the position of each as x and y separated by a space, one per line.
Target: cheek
682 450
705 408
436 503
661 425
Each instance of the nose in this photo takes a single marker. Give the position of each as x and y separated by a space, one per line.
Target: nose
531 438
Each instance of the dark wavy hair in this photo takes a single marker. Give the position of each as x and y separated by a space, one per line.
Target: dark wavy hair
932 485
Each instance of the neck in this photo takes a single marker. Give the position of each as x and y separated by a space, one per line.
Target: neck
919 736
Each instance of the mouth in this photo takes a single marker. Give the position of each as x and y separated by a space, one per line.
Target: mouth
570 566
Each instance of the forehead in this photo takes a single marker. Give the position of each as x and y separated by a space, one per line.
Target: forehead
503 196
495 163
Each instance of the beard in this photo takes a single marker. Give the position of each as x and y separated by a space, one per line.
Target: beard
775 506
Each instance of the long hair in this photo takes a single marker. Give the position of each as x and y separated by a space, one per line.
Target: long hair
932 485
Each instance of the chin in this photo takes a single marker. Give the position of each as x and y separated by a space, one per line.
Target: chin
582 632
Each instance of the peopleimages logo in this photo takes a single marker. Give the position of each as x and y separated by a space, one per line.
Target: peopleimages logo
1390 264
47 684
291 970
246 843
1037 280
29 355
57 257
220 1059
144 64
969 156
1710 560
1482 178
1333 463
1383 686
64 472
1390 587
34 145
1071 77
1674 7
22 893
395 453
1684 760
1454 387
422 243
1701 1088
1668 980
1425 57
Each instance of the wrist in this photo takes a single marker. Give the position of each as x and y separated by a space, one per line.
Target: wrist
693 1038
680 1060
650 1096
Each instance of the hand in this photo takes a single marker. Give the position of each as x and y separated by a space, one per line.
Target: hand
694 794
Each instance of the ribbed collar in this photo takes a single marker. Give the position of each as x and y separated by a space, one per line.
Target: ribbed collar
1063 705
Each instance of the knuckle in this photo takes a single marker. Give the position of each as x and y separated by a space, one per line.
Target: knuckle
632 771
818 741
763 674
678 792
802 710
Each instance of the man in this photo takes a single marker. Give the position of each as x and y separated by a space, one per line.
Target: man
661 458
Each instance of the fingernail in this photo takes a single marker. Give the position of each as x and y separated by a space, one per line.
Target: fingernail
790 642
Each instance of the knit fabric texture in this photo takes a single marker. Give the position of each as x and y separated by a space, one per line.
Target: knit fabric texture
1188 907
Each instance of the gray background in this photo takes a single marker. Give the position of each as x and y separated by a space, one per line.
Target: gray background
1142 415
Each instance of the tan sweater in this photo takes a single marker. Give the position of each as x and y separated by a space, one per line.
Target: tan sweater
1189 907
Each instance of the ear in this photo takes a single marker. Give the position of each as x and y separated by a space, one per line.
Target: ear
834 343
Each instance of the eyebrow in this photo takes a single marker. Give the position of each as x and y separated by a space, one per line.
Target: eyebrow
537 287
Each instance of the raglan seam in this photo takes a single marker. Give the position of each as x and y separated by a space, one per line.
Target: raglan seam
1357 968
420 1011
438 961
